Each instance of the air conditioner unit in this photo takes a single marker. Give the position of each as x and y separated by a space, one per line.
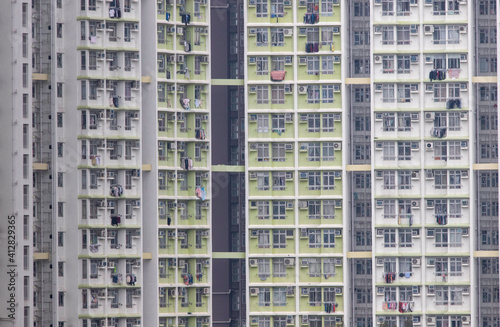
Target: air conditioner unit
290 320
305 318
429 116
252 60
337 145
431 320
428 29
462 29
302 60
289 262
289 147
377 59
416 261
429 145
288 31
252 31
303 175
254 291
415 204
302 89
180 30
464 145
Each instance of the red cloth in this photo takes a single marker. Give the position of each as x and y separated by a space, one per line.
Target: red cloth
278 75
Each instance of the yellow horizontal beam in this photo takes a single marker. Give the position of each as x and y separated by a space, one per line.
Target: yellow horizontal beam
146 167
358 168
484 79
228 82
355 81
146 79
40 166
228 169
40 77
489 166
486 254
351 255
228 255
147 255
40 256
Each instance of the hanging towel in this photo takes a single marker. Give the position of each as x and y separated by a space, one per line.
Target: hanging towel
93 39
197 103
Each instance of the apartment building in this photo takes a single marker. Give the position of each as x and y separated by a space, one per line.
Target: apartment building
369 156
180 85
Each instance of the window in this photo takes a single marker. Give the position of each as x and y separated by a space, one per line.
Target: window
262 37
262 65
312 65
387 34
405 238
262 94
92 5
263 240
388 93
328 180
327 65
59 28
389 208
314 208
277 37
279 152
404 180
264 297
315 296
60 298
312 34
263 181
313 123
126 32
389 178
279 269
328 151
328 123
277 9
328 238
388 151
404 93
387 7
262 152
313 151
279 239
279 181
262 209
262 123
261 8
314 180
264 269
313 95
25 75
279 296
390 238
327 93
314 238
387 64
278 94
279 210
403 33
